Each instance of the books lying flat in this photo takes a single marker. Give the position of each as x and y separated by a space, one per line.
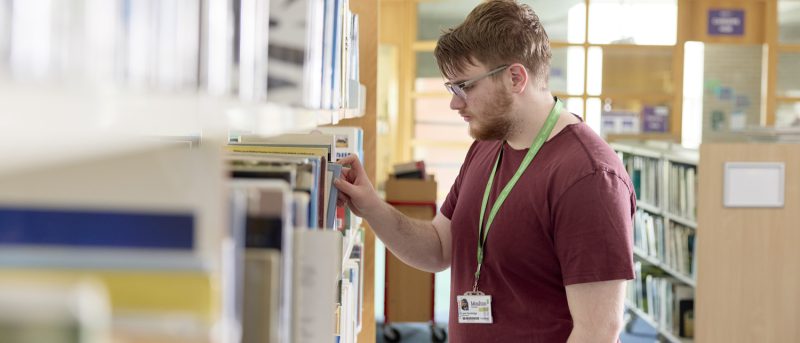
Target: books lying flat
348 139
304 173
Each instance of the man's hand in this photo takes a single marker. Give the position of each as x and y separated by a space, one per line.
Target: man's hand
355 189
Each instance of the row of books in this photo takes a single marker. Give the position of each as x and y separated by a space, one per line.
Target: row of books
298 284
672 244
313 54
410 170
184 245
683 191
147 224
299 53
646 174
667 302
316 241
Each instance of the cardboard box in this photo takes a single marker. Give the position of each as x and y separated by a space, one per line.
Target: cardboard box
409 291
411 190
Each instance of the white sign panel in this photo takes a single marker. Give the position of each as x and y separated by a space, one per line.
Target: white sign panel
754 184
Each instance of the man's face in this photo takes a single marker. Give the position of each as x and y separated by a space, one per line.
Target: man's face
486 107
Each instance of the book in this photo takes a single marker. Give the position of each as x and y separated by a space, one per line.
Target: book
348 140
262 292
410 170
268 226
335 171
91 228
295 140
317 258
62 311
295 52
166 214
301 202
311 178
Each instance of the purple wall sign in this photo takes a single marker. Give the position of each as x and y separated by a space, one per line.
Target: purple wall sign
655 118
727 22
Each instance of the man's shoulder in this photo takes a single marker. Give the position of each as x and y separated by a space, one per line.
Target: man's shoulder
582 152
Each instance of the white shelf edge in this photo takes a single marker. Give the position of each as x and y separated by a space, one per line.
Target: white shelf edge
663 266
648 207
92 109
348 247
681 220
650 321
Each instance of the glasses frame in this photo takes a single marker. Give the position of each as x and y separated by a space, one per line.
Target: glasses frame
459 88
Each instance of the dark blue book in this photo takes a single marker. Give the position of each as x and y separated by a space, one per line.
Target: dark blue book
83 228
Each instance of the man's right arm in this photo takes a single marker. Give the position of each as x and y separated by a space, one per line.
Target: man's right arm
422 244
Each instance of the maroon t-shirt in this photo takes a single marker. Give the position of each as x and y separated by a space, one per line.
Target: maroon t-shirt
568 220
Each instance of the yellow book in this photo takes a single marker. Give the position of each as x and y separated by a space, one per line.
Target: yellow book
270 149
191 293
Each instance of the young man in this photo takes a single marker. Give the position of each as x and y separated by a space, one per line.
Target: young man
537 226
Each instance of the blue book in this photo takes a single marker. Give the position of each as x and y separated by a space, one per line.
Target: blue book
83 228
336 172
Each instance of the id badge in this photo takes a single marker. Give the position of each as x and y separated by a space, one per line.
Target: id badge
474 308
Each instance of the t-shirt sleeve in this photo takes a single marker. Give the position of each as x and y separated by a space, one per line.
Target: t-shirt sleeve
449 204
593 229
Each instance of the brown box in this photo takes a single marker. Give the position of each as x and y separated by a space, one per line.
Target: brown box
411 190
409 291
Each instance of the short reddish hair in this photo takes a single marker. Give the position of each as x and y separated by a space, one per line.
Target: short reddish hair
496 32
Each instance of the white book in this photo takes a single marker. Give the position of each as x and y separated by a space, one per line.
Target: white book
253 38
317 268
691 177
348 140
267 200
156 178
328 54
295 52
262 296
301 203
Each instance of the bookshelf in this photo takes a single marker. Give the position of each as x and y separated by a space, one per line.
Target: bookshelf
665 180
53 123
662 333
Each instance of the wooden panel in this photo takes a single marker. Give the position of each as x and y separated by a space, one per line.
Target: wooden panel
748 287
367 11
769 105
409 291
754 32
644 69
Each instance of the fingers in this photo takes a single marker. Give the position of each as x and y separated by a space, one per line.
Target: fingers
353 161
342 200
348 175
345 187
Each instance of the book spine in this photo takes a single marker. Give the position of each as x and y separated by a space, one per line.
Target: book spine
96 229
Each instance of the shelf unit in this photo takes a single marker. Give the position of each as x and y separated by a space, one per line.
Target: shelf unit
54 123
662 333
666 156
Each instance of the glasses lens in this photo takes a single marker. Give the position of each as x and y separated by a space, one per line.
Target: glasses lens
450 88
455 90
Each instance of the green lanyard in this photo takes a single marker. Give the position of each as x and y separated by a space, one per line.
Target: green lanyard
544 132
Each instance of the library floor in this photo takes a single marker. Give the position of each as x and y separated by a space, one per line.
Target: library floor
637 331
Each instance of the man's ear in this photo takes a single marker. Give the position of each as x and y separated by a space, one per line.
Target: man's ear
519 77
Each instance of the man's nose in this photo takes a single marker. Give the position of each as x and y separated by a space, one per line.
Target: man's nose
456 102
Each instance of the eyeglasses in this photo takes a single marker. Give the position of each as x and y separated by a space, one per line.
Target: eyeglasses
460 89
